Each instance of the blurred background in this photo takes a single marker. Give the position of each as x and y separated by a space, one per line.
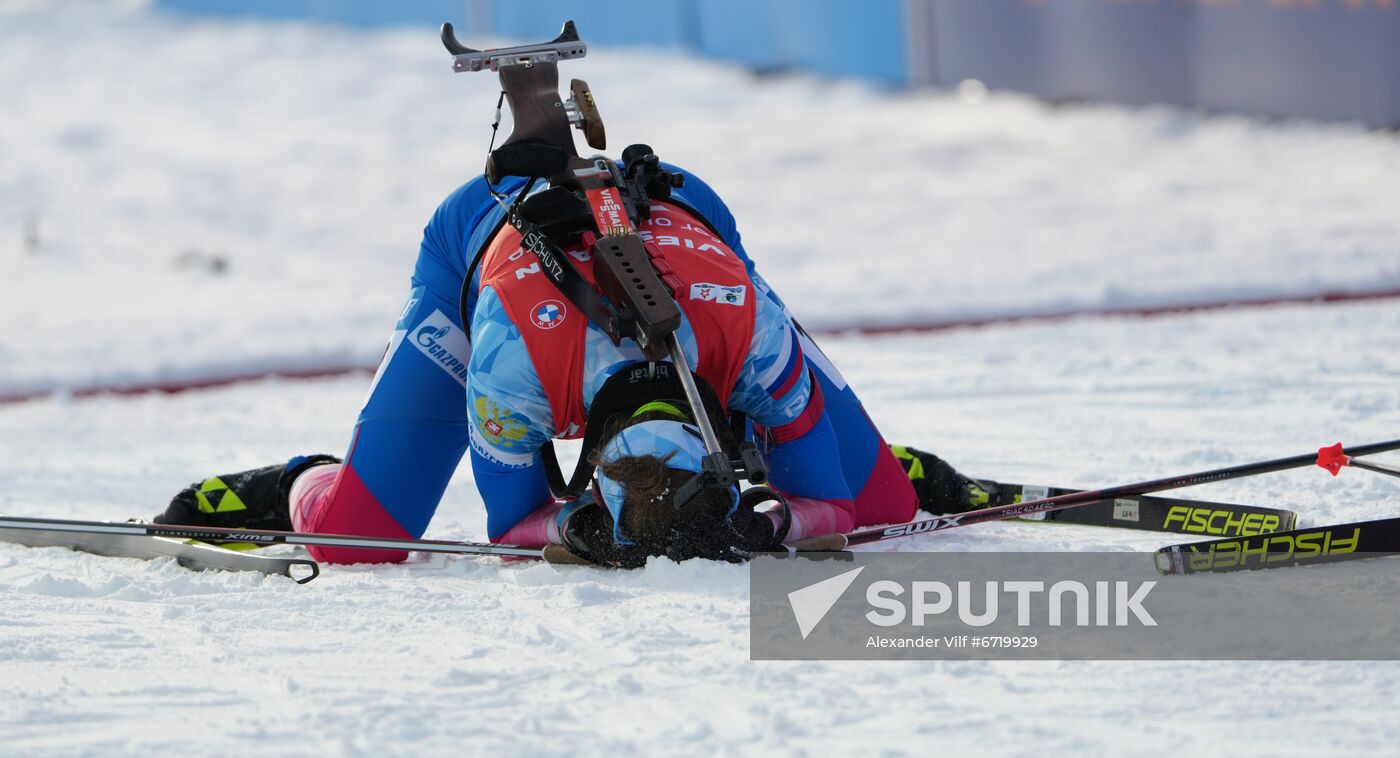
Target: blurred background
199 190
1331 59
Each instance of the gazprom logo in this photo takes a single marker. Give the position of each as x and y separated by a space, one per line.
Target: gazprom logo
428 336
444 344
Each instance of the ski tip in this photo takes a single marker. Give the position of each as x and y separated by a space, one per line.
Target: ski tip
303 570
1168 562
1332 458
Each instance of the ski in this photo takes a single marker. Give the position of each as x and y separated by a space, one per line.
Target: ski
1152 513
262 537
193 555
139 539
1297 547
1090 497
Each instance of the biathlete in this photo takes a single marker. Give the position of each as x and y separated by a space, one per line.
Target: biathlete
498 365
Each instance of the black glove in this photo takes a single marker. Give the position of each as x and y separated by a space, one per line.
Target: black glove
740 536
588 533
255 499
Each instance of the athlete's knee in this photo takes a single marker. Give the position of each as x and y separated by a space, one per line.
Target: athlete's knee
887 495
332 499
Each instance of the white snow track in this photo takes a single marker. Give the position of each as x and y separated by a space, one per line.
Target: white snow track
103 655
184 199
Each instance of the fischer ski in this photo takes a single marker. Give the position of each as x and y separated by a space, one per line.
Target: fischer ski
1089 497
192 554
1298 547
1156 514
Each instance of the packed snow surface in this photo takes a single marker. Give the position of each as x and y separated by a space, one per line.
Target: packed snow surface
137 151
104 655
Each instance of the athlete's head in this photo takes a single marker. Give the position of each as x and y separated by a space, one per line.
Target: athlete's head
641 468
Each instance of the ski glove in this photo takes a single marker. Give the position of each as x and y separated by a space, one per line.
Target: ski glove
255 499
587 532
746 532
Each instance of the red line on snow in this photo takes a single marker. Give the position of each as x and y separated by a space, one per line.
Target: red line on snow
176 386
1144 311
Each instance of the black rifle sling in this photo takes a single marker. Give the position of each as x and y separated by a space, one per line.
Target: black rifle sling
554 263
604 314
463 297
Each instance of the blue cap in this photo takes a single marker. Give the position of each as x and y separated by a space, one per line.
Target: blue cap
661 438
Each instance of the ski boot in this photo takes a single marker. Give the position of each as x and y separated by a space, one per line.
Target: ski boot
940 489
255 499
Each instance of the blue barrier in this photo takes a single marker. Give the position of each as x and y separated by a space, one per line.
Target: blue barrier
1333 59
347 12
1001 43
835 38
663 23
1138 53
1065 49
745 31
828 37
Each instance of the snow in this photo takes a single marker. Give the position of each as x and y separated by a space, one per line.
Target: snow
311 156
105 655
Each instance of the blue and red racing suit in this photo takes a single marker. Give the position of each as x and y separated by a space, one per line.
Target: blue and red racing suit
437 396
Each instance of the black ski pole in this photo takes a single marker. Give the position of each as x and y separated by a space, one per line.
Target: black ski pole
1071 500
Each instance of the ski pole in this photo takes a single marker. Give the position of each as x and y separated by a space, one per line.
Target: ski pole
1073 499
264 537
1376 467
1334 458
555 554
